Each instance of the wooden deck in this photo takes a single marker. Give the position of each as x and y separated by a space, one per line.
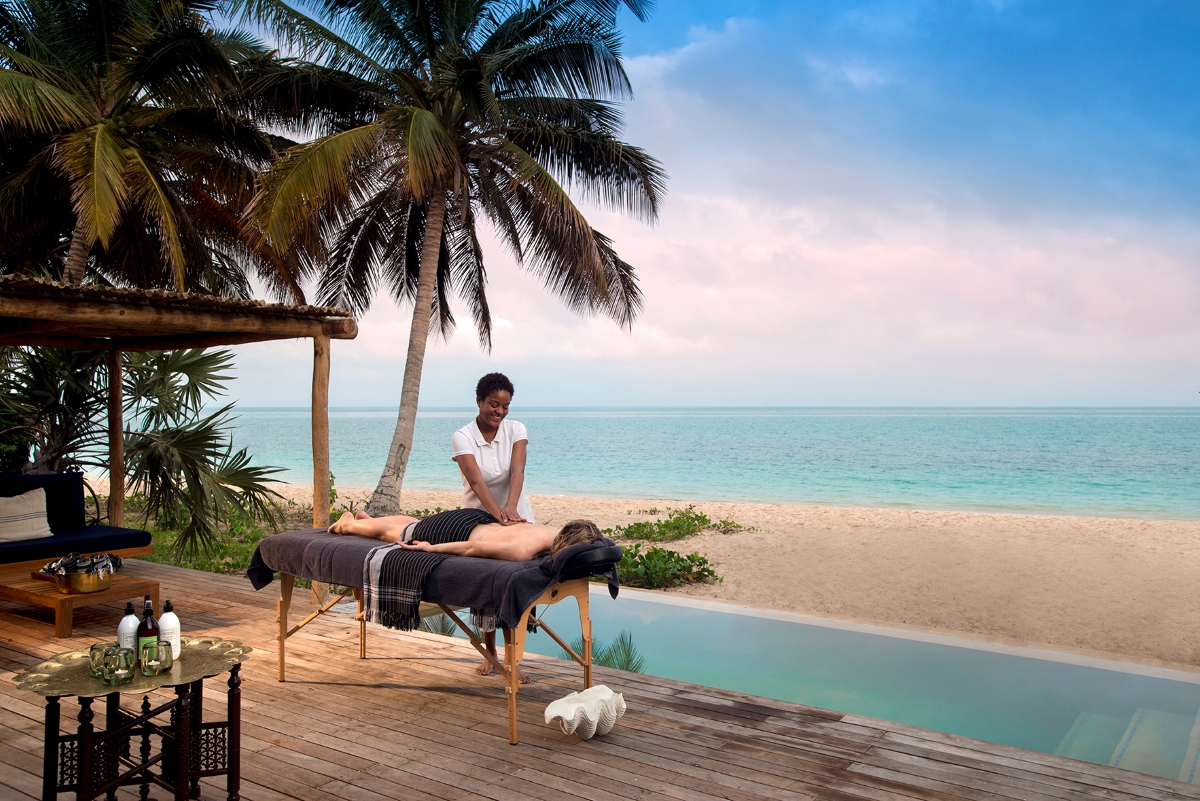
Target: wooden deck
413 722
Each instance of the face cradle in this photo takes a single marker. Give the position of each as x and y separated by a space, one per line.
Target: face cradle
494 408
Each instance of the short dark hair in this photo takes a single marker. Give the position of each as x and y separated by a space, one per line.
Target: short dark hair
492 382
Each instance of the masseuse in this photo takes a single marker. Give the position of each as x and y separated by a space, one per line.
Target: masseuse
490 451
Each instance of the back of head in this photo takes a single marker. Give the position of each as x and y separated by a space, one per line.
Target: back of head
575 533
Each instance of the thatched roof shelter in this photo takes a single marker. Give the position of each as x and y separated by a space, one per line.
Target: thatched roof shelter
35 311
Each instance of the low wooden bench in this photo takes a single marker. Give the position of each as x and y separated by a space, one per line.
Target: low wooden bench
38 589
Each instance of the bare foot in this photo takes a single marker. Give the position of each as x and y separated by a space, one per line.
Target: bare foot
487 669
361 515
338 527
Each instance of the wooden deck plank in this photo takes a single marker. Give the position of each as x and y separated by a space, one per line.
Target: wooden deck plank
414 722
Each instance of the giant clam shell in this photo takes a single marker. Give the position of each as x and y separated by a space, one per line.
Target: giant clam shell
588 713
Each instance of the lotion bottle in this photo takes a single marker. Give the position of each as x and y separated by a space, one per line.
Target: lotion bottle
168 628
127 629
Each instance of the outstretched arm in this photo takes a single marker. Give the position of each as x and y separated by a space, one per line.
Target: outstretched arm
507 550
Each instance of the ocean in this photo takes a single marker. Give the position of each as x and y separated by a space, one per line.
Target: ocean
1100 462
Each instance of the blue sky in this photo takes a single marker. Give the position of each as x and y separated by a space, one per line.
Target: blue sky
916 203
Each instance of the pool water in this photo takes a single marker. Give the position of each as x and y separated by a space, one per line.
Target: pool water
1131 716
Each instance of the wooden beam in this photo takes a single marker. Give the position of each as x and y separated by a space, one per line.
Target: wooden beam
320 446
119 318
320 431
116 440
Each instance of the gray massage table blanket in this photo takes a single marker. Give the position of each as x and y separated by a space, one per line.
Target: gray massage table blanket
467 581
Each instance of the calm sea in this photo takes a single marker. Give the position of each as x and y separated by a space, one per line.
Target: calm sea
1118 462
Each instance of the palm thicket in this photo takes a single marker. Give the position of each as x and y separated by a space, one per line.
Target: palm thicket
127 149
179 457
484 110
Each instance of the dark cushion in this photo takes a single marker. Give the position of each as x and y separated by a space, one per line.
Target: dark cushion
64 498
595 562
87 540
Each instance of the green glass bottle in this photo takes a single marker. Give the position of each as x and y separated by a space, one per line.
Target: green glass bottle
147 631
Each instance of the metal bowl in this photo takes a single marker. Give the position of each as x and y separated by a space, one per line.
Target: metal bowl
74 583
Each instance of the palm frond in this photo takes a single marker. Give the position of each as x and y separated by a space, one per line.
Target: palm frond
30 104
95 159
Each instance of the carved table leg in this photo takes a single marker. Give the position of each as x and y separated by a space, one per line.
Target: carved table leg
50 751
183 743
144 790
87 769
234 716
112 722
194 765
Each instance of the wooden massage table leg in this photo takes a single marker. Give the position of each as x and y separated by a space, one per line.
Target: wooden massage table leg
361 617
286 582
512 663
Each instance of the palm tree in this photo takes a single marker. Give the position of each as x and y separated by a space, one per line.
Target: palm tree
485 109
127 147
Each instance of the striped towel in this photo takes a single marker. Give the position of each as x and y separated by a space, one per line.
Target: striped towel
393 577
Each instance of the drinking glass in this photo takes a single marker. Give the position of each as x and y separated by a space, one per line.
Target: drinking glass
119 665
96 656
156 657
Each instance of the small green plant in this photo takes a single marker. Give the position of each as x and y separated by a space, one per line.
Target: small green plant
421 514
439 624
660 567
333 493
653 510
621 653
680 523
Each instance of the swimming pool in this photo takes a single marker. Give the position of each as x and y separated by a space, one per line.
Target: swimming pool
1136 717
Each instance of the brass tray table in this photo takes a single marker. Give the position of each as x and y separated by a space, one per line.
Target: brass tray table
93 763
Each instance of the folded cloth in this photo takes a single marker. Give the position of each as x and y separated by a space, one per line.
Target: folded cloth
393 576
392 581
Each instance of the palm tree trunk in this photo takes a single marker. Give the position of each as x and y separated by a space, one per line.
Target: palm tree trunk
386 498
77 255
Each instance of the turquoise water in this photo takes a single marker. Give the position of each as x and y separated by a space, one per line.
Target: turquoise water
1077 710
1118 462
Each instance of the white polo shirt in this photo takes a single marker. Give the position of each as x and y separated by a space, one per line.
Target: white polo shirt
495 462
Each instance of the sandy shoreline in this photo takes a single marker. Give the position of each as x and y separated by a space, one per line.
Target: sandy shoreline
1117 587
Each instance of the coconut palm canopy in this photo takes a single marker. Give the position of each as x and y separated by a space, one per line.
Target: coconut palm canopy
501 109
485 109
130 142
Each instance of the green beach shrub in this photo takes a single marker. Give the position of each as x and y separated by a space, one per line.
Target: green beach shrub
660 567
680 523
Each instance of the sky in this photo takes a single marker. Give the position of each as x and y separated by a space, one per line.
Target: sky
954 203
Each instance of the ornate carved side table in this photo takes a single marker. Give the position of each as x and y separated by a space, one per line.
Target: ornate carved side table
173 754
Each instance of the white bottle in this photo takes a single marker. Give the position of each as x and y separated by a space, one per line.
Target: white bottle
168 628
127 629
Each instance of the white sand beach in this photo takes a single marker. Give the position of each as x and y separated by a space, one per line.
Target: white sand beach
1123 588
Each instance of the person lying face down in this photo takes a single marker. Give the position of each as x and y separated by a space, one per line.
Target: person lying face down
469 532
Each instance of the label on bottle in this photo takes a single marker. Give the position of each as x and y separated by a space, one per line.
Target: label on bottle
128 637
143 642
169 630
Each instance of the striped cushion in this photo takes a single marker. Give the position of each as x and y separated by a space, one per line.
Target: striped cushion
23 517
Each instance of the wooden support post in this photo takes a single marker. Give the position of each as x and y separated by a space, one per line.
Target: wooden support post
320 446
361 617
286 582
585 626
116 440
512 664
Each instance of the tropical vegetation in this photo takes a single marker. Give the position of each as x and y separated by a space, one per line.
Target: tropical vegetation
132 133
678 524
484 110
178 456
658 568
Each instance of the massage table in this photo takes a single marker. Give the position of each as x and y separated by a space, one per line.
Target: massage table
516 589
